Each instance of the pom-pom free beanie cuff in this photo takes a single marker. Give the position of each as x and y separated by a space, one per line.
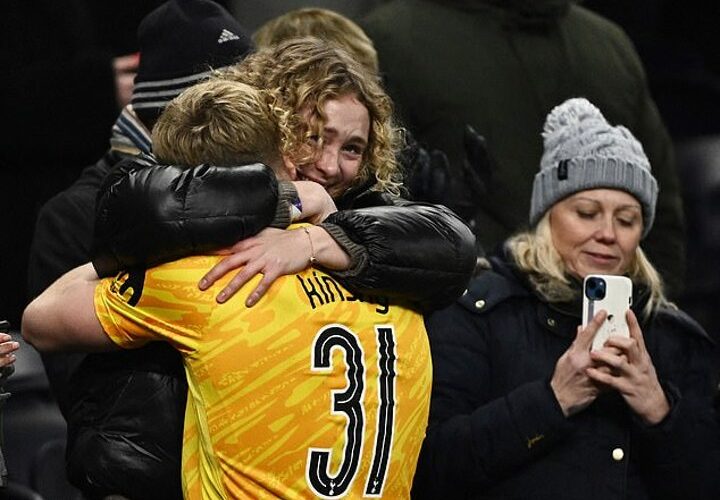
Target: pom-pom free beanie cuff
579 174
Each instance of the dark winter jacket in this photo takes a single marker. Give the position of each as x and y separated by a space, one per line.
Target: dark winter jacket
62 241
107 397
416 252
497 431
501 66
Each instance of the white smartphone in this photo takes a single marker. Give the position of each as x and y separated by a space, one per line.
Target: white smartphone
614 295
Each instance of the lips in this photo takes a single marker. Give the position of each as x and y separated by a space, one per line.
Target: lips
602 258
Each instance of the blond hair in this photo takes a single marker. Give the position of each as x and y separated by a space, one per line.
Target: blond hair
222 122
301 75
534 253
328 25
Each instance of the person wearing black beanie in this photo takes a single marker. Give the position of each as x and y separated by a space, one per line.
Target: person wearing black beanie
180 42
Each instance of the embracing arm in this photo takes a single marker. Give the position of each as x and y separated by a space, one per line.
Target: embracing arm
148 214
414 251
63 316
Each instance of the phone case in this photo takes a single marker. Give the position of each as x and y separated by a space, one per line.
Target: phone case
616 301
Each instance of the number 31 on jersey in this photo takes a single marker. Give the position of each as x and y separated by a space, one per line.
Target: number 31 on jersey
350 403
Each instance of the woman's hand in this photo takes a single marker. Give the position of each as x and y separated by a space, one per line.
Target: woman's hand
570 382
274 253
316 202
7 349
632 373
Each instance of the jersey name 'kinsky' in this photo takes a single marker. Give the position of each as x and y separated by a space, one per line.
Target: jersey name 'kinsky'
323 290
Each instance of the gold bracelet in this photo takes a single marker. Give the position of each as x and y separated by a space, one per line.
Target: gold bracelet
313 260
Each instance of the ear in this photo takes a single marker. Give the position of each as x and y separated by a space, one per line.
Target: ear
289 168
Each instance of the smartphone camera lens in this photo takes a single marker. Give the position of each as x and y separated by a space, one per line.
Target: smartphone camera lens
595 288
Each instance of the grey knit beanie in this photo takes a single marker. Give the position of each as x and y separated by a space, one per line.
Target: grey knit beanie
583 151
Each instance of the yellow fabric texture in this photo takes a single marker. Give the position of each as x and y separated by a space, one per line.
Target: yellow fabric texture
262 401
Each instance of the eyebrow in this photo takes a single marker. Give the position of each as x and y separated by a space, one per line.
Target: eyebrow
621 207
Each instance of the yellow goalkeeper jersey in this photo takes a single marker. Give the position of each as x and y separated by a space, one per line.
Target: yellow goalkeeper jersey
314 392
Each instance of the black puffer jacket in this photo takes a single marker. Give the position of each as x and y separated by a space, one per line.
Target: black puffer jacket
125 409
418 252
146 216
497 431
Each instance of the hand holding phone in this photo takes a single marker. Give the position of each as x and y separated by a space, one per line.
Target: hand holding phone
612 294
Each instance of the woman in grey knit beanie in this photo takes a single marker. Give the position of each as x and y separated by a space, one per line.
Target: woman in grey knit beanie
522 407
585 154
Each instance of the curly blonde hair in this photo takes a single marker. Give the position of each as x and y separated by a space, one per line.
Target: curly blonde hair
301 75
534 253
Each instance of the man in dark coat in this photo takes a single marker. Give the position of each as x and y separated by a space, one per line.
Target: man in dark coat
500 66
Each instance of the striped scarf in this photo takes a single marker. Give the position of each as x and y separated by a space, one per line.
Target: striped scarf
129 135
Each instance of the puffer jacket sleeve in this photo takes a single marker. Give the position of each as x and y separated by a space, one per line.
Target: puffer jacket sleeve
148 214
412 251
125 423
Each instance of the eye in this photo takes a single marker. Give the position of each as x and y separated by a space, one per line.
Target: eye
586 214
353 149
627 221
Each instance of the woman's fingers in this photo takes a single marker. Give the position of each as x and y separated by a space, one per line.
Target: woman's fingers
262 287
586 335
636 334
221 269
246 274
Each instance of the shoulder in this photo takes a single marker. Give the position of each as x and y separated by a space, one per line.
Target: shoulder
604 33
490 289
668 318
587 19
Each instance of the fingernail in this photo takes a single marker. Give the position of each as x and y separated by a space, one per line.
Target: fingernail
203 284
221 296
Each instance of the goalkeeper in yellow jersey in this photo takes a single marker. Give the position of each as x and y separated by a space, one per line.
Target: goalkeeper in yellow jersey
313 392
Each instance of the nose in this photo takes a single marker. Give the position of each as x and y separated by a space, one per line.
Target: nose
605 231
329 162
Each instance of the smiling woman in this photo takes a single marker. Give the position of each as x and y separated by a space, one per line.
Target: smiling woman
596 231
520 403
339 146
338 137
312 83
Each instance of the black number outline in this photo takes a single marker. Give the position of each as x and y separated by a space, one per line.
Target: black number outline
385 422
350 403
